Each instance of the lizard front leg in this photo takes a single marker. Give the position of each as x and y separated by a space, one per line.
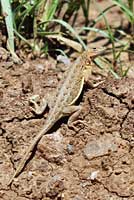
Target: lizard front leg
87 74
93 85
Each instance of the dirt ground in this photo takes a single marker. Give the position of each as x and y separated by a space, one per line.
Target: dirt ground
96 162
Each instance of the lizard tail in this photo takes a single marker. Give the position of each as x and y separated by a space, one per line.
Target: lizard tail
29 151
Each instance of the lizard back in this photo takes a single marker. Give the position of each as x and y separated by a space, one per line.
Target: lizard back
69 88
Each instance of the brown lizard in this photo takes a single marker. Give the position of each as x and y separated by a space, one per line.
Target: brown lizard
62 103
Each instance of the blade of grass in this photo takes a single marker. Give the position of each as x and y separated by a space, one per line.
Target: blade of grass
125 9
100 16
85 7
49 10
122 49
96 30
103 63
61 52
71 43
110 33
22 38
113 72
105 33
68 27
7 12
27 8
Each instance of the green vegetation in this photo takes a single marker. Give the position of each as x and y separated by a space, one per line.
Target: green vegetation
50 25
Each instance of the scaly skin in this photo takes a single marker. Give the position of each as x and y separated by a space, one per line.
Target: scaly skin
66 95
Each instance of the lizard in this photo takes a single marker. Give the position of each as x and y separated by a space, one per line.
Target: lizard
63 103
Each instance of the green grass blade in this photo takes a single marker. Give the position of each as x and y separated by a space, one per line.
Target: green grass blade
85 7
131 4
67 26
22 38
125 9
114 73
105 34
96 30
109 31
75 45
49 11
100 16
6 7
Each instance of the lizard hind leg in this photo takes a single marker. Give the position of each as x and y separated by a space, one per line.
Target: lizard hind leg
74 112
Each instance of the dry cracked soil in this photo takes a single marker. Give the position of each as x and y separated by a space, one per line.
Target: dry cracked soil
96 162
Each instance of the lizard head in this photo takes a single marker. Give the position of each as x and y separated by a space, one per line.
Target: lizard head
93 52
90 54
86 59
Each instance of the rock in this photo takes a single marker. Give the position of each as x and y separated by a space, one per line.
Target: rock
51 148
100 147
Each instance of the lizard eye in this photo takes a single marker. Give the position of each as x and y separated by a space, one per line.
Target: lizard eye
95 49
87 62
